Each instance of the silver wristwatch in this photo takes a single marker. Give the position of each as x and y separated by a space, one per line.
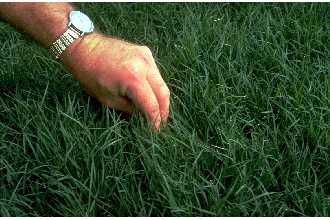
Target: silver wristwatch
79 24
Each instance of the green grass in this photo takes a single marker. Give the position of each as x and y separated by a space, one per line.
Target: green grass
249 132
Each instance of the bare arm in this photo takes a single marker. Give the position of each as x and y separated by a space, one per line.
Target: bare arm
43 21
119 74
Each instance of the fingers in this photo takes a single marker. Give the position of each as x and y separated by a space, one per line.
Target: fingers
121 104
161 91
144 98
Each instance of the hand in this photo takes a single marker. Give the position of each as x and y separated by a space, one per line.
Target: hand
120 75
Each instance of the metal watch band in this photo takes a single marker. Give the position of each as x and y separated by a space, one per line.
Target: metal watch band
64 41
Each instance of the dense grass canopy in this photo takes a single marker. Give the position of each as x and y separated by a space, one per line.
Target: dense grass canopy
250 118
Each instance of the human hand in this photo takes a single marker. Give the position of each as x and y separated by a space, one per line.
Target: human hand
120 75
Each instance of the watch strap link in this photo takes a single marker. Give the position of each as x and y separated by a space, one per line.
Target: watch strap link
64 41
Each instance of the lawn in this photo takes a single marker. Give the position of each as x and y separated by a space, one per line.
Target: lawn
249 130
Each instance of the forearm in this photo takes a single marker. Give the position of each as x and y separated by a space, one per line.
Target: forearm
43 21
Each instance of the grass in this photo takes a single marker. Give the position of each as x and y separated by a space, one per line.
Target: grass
249 133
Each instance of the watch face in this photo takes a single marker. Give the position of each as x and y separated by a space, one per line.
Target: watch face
81 21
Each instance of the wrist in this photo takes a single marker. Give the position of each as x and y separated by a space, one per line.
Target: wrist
79 30
80 49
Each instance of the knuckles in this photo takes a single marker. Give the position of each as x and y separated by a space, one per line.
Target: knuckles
145 51
138 64
165 92
135 71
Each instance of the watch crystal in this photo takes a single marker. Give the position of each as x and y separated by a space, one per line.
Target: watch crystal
81 21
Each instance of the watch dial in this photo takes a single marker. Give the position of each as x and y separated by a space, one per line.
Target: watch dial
81 21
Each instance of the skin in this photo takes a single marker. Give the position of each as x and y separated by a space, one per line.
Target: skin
117 73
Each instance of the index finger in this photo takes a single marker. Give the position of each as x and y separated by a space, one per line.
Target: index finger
160 89
144 98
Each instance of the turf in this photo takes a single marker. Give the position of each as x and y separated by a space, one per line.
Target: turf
249 132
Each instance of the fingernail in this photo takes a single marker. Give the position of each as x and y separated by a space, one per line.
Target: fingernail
157 123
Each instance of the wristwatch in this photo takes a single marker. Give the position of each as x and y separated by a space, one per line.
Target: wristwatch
79 25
